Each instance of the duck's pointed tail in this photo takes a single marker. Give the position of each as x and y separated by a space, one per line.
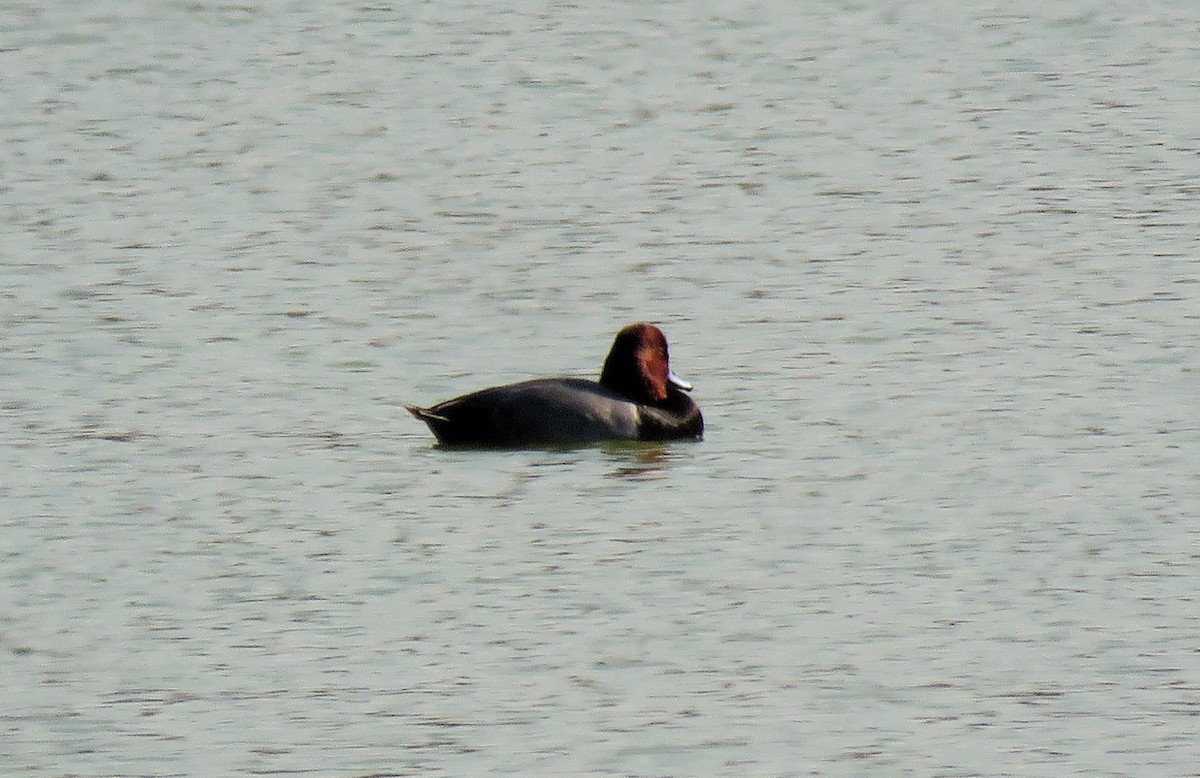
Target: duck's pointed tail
424 414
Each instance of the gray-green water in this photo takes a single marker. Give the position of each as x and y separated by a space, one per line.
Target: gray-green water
933 270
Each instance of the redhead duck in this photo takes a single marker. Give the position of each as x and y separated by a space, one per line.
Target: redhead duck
637 398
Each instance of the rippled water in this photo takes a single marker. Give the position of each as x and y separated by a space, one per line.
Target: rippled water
931 268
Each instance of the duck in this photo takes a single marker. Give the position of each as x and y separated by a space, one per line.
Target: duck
638 397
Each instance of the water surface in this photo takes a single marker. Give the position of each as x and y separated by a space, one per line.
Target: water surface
932 270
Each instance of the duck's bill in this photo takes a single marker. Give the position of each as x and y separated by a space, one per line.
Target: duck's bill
684 385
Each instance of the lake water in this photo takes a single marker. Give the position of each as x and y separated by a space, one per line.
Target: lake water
932 268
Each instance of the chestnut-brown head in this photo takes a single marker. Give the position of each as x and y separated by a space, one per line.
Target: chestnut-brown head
639 366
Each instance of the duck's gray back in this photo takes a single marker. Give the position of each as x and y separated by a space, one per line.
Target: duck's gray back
541 411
